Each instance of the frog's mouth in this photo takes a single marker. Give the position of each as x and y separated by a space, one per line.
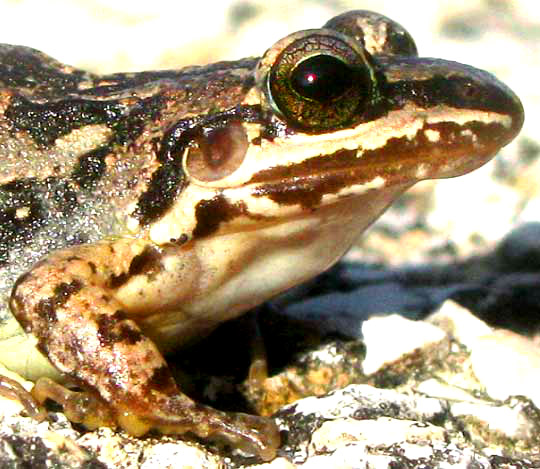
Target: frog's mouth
439 150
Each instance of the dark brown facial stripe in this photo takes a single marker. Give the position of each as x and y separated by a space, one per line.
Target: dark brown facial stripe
315 177
307 194
427 83
456 92
341 159
397 163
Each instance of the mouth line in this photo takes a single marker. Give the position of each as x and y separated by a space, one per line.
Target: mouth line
369 173
441 142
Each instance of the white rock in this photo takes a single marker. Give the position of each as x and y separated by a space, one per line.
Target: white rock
459 322
507 364
350 400
388 338
382 431
435 388
168 455
512 422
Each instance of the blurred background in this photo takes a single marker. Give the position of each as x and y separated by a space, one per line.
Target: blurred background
447 219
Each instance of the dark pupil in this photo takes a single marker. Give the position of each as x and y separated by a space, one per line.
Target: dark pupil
321 78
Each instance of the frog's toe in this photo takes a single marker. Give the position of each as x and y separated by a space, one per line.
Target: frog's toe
79 407
261 438
253 434
11 389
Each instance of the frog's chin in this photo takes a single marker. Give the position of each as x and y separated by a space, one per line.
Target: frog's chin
464 165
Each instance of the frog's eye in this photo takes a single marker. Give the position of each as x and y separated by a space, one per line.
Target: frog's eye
321 81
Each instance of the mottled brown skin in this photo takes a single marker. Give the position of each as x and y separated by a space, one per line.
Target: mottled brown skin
67 290
150 207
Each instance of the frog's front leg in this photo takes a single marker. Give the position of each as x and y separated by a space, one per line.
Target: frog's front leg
68 302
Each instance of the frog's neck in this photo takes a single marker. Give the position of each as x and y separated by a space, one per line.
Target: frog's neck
237 271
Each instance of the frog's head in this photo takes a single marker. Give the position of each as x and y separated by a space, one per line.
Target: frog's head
346 112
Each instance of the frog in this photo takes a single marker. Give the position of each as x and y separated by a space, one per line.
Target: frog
138 211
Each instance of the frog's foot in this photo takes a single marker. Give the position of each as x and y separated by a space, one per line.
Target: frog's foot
250 433
11 389
256 435
79 407
173 415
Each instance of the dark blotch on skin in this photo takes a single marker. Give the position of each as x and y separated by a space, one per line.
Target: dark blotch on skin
147 263
114 328
161 380
46 309
211 213
93 267
63 291
45 122
35 199
165 184
90 167
14 230
116 281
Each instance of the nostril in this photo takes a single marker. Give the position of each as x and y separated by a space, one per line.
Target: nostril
469 91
